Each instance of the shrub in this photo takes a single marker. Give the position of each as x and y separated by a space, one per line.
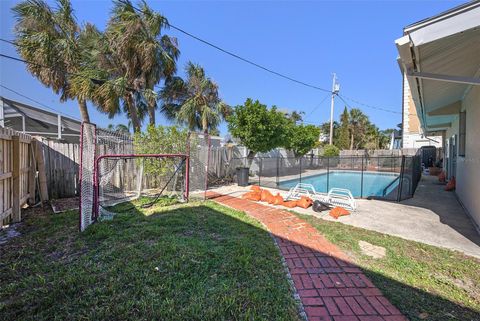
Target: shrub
331 150
160 140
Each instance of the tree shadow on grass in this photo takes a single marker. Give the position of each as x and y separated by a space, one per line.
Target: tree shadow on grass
193 262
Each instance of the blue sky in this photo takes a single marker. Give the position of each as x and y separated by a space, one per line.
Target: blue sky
305 40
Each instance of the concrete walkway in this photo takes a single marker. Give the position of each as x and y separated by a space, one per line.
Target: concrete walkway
433 216
330 287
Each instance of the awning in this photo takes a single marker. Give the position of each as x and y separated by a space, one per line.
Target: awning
36 121
440 57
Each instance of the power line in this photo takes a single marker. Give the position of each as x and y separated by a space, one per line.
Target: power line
248 61
8 41
94 80
230 54
208 43
367 105
319 104
37 102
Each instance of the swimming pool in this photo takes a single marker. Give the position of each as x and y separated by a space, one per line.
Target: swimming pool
373 183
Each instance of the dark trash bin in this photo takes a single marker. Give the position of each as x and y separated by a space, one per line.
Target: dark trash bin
242 176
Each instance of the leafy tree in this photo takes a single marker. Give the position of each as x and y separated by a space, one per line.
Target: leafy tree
194 101
48 39
343 139
301 138
296 116
259 129
160 140
330 151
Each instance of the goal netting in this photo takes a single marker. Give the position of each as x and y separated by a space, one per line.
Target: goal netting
111 172
123 178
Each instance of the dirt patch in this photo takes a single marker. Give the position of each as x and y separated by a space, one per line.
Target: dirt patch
377 252
65 204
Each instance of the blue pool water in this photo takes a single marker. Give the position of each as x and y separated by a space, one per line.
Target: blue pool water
373 183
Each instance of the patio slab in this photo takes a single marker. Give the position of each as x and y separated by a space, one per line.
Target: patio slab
433 217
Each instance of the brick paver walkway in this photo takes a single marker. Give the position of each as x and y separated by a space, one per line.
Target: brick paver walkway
329 285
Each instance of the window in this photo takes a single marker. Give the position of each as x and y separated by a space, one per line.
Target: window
462 133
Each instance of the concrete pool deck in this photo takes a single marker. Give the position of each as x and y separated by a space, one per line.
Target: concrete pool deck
433 216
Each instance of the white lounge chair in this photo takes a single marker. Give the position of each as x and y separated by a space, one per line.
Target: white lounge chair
336 196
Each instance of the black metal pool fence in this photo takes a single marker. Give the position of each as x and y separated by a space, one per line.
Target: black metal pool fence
284 172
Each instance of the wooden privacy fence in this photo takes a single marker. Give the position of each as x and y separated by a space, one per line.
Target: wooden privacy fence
62 167
17 174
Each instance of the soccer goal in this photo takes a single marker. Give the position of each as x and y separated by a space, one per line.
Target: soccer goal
112 173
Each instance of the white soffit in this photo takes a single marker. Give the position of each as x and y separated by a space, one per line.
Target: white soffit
448 44
457 55
445 25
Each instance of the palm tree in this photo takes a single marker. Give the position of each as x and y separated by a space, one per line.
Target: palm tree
48 39
372 137
194 101
95 81
119 128
358 121
137 53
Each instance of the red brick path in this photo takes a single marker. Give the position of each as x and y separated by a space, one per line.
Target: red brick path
330 286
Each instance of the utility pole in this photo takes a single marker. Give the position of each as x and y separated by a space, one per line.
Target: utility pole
335 90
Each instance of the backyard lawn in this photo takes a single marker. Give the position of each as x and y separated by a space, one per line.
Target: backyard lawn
197 261
423 281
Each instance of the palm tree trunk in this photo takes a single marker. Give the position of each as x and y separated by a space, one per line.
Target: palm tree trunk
151 113
205 124
82 105
151 104
133 113
351 140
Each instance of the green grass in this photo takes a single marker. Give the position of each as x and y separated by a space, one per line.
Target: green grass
197 261
423 281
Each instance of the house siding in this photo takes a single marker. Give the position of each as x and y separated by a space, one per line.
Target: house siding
468 167
412 136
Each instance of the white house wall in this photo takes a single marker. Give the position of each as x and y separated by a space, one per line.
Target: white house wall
468 167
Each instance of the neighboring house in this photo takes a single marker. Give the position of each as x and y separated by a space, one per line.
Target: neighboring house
38 122
215 141
440 60
396 139
413 136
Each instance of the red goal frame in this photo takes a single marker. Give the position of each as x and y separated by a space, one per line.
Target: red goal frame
96 184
